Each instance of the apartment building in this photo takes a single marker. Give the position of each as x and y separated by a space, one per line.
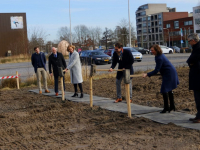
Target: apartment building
196 19
177 30
149 23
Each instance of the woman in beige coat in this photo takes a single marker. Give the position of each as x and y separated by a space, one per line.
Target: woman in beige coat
74 66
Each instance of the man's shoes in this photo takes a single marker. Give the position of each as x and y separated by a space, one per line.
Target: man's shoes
118 100
56 94
193 119
196 121
47 91
40 92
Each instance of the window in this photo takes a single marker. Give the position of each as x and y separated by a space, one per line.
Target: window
160 23
144 19
144 24
149 18
176 24
159 16
197 11
149 24
167 25
160 29
186 23
197 21
143 13
197 31
144 30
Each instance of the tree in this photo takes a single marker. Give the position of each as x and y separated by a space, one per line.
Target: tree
37 36
107 37
64 33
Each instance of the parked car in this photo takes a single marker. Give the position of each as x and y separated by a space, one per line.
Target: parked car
142 50
166 49
94 57
136 55
177 49
108 52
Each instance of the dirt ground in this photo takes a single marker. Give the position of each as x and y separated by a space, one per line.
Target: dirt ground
33 121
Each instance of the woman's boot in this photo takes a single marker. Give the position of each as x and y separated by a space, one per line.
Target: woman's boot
166 107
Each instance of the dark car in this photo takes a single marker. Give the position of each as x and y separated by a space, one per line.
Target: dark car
94 57
142 50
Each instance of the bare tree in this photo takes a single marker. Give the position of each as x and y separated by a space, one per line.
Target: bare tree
37 37
64 33
107 37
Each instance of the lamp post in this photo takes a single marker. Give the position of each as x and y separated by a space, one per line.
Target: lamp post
70 24
129 26
169 36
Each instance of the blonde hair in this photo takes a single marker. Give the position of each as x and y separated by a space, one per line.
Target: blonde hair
70 46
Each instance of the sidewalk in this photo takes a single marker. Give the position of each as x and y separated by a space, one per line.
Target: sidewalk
152 113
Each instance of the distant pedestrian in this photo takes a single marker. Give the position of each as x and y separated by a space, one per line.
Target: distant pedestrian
125 60
74 66
169 77
194 74
56 60
38 60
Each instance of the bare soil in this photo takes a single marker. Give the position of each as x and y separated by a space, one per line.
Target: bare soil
33 121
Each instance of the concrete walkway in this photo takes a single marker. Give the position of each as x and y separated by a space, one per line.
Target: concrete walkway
152 113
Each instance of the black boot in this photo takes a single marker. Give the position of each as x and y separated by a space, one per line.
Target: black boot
75 94
166 107
81 95
171 99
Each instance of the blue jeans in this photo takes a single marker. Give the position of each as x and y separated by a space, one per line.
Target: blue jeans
56 83
118 86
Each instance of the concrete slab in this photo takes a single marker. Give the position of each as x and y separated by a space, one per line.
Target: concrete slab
178 118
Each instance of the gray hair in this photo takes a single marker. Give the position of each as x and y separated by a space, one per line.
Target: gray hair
53 48
193 36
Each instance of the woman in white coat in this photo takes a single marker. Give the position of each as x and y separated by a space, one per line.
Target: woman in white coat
74 66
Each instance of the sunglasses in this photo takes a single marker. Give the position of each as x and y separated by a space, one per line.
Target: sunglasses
190 40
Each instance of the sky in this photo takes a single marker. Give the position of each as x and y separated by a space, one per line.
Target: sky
51 15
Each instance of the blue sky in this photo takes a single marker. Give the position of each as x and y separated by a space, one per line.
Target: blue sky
53 14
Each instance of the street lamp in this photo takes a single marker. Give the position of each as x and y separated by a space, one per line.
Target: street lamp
70 24
129 26
169 36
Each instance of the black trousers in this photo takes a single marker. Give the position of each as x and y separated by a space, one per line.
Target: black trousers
56 83
197 101
80 87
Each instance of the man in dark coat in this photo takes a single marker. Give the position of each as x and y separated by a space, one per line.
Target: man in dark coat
38 61
125 60
194 74
56 60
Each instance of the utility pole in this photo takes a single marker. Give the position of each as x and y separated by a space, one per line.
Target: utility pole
129 26
70 24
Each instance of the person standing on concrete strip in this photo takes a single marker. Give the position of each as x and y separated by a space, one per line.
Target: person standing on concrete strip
125 60
56 60
74 66
169 77
194 74
38 60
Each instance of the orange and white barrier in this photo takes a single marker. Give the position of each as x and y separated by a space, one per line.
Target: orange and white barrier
10 77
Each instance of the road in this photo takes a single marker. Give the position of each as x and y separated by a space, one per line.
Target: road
26 70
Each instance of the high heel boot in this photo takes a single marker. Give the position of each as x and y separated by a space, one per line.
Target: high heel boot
166 107
75 94
171 99
81 95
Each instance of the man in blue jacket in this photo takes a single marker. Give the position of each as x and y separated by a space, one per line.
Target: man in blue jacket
125 60
194 74
38 60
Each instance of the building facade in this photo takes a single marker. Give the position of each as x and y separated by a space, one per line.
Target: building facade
149 23
196 19
177 30
13 34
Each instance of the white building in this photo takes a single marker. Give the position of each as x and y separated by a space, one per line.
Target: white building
196 19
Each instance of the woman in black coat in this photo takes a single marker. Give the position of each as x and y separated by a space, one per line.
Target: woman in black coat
169 77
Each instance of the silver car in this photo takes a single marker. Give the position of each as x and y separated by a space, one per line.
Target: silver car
136 55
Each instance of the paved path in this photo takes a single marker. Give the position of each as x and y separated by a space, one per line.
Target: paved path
152 113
